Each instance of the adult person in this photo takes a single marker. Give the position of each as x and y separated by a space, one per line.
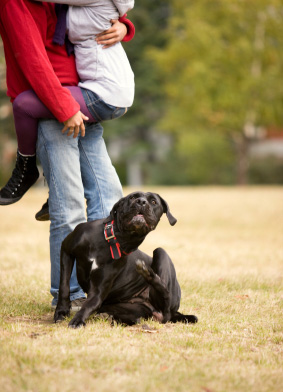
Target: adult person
105 91
74 168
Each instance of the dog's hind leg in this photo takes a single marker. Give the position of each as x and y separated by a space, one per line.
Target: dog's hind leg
159 294
164 267
165 292
126 312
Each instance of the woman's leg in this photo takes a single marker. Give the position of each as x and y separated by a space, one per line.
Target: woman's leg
92 177
28 109
57 152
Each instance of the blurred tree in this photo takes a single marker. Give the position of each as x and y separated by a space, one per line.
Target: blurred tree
200 159
130 139
208 73
221 70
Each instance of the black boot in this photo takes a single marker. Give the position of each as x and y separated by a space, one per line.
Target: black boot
23 177
43 214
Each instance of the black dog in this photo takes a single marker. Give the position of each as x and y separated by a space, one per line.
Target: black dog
119 279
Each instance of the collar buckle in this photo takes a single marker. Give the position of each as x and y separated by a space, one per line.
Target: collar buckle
109 235
109 231
112 240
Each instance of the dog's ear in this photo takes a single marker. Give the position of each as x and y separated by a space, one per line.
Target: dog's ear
166 210
113 212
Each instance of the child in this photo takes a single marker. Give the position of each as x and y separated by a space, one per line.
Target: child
105 91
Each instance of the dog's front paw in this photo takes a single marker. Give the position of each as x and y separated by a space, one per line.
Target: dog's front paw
61 314
76 322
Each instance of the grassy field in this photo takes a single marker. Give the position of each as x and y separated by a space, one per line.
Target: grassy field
227 249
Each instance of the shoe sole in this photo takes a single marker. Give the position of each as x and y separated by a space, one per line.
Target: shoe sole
73 308
42 216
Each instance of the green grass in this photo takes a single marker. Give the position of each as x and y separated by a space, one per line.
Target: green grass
227 249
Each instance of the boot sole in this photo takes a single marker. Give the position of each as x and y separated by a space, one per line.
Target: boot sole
6 202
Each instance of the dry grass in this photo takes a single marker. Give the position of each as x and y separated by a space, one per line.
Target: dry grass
227 248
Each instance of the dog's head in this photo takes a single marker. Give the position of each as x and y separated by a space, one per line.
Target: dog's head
139 213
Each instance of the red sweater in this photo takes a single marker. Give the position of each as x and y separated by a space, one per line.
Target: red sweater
33 62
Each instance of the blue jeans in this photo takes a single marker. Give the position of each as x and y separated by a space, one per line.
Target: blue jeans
99 109
75 170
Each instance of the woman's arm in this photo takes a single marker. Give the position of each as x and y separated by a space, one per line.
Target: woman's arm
130 28
123 6
79 3
121 30
26 43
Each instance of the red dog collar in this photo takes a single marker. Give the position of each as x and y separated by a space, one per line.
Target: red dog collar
112 240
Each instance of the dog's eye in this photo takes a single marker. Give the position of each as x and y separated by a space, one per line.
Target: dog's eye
132 198
153 201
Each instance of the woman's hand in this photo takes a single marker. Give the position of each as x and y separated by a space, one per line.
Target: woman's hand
75 124
113 35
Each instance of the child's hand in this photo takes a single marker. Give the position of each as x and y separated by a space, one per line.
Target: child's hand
75 124
112 36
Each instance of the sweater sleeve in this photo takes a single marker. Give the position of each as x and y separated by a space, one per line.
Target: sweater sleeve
30 54
130 28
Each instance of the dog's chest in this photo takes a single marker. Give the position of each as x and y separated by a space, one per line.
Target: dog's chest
94 263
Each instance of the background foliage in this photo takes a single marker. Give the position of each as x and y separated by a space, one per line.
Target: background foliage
207 85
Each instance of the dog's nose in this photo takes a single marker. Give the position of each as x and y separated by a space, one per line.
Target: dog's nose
141 201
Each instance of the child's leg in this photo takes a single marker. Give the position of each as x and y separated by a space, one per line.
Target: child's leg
77 94
101 110
28 109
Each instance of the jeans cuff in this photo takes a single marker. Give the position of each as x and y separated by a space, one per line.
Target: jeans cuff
79 294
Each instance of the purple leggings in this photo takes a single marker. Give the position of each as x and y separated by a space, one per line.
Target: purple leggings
28 109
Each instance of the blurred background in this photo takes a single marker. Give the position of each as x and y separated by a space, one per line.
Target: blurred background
209 96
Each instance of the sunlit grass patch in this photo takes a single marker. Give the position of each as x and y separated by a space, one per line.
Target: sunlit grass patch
227 249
